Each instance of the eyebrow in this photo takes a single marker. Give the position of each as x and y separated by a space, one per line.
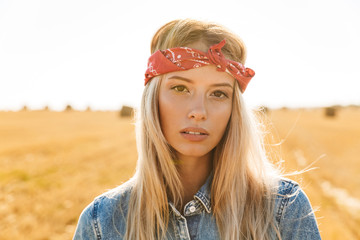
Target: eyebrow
191 81
181 78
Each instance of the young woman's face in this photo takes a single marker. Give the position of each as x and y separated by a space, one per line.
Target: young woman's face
195 107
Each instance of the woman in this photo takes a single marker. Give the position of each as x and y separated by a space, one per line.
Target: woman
202 172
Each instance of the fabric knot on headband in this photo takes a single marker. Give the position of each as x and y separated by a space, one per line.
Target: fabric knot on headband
184 58
216 57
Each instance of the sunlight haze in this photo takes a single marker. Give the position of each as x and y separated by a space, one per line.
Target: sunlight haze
94 53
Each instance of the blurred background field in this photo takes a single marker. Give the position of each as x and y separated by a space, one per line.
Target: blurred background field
52 164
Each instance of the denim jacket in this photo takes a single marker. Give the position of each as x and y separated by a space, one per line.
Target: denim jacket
105 217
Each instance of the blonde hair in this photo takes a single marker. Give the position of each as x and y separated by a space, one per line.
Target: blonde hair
244 182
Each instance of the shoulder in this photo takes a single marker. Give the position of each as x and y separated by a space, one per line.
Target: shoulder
108 209
115 197
293 212
290 194
287 186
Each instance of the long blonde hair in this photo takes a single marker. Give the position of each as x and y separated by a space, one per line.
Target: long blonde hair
244 181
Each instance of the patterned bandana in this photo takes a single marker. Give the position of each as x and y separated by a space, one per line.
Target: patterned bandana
184 58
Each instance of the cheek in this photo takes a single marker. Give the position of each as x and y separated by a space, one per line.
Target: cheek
222 112
221 117
164 114
168 111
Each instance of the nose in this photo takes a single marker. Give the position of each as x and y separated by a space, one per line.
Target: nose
198 111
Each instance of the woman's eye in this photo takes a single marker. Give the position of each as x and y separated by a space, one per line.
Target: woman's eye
219 94
180 89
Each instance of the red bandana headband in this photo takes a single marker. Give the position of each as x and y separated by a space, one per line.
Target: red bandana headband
184 58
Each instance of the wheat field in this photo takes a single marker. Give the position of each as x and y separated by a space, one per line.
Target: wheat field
52 164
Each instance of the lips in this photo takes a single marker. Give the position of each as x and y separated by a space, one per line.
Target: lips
194 134
194 130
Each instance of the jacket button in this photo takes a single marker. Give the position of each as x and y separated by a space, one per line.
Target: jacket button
192 209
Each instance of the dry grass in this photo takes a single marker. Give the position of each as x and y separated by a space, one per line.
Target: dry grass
53 164
332 146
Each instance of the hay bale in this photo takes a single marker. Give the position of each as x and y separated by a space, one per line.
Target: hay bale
68 108
330 111
127 111
24 108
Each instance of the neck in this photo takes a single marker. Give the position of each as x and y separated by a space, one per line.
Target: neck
193 173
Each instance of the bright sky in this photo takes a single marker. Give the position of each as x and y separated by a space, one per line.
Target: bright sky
94 53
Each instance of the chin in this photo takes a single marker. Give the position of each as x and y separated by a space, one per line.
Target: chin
194 152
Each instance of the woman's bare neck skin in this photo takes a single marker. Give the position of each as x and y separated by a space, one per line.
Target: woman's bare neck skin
193 173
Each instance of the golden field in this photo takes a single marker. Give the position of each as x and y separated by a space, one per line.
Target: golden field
52 164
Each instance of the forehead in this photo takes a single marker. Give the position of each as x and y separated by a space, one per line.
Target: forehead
207 75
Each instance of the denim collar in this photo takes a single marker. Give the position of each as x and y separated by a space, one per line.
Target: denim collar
203 196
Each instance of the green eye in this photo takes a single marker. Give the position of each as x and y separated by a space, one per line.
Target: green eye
180 89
